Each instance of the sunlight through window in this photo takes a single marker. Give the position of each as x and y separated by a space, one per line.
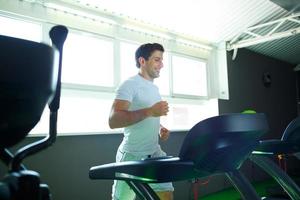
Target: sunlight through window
189 76
88 60
21 29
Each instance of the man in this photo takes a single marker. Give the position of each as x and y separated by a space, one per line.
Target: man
138 107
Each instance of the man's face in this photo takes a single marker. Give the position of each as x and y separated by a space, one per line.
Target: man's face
154 64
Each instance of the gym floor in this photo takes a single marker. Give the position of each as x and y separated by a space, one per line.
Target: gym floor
265 188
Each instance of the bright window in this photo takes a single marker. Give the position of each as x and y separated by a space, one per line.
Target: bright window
21 29
79 112
189 76
92 60
88 111
183 116
88 60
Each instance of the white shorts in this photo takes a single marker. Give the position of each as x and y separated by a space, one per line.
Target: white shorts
120 189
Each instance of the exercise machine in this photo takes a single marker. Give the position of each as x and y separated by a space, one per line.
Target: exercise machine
289 144
30 75
217 145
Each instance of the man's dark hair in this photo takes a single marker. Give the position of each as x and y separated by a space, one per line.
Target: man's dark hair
146 51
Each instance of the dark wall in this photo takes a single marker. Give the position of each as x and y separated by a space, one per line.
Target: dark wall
247 91
277 100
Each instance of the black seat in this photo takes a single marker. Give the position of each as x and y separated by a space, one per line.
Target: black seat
28 77
288 144
216 145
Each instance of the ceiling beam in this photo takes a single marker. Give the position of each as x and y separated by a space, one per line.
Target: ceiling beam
251 35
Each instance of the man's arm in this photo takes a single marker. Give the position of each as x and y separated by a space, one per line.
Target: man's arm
120 116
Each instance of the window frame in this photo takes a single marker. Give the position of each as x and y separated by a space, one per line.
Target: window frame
187 96
104 92
91 87
26 20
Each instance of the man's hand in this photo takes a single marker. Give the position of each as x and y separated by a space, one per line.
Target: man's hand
159 109
164 133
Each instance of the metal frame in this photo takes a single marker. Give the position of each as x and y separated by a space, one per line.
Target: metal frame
142 190
290 187
242 40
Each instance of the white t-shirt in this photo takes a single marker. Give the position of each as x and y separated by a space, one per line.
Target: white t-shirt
140 138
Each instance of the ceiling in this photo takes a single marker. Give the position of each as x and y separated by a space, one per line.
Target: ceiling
215 21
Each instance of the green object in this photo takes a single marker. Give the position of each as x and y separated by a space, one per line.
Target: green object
249 111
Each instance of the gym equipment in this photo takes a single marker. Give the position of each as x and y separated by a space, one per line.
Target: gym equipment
217 145
30 75
287 145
